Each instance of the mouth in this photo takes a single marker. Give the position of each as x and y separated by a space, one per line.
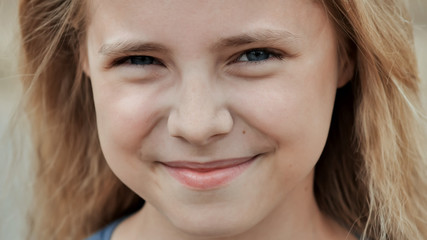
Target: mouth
209 175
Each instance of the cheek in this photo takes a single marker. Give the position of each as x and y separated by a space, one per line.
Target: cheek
294 109
286 111
125 114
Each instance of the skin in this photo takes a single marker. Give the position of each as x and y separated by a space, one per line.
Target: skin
201 100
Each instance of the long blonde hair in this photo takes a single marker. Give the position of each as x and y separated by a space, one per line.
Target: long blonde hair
371 176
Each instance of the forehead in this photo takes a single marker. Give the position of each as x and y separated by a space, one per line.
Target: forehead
182 22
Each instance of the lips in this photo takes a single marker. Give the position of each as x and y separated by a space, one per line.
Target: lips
210 175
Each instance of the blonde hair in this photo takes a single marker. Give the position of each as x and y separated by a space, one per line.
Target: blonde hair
371 176
377 182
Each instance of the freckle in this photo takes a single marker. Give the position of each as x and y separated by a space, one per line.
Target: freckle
244 132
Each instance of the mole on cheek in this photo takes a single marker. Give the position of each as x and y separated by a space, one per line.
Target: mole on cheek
244 132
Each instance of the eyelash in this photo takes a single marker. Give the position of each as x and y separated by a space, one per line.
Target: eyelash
128 61
271 55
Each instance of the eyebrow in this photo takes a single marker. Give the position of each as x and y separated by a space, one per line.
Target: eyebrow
263 36
127 47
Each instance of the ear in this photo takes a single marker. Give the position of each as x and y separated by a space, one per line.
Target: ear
346 70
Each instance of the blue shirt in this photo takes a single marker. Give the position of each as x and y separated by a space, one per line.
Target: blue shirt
105 233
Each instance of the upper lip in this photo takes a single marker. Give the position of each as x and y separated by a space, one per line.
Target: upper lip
215 164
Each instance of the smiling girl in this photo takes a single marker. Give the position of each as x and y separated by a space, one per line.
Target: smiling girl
278 119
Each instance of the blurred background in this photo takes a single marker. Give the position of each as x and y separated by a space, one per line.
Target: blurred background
12 207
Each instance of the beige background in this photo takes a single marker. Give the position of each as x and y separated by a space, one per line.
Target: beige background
12 190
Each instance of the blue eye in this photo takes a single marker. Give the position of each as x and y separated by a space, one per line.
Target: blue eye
257 55
142 60
137 61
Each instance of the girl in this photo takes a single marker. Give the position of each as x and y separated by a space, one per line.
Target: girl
278 119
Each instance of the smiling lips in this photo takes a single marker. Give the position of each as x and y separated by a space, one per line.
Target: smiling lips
205 176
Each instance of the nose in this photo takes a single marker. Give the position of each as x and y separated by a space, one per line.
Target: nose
199 115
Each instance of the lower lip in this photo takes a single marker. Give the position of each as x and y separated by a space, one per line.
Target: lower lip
207 180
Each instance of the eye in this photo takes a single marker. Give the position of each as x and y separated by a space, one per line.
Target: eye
258 55
138 60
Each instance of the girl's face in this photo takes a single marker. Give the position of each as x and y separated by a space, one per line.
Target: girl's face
214 112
